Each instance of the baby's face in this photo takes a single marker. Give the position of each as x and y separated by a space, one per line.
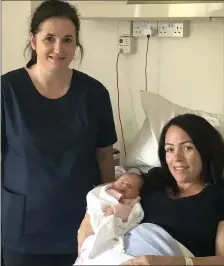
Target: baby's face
128 185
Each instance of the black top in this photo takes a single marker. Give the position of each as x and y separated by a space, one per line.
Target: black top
49 160
190 220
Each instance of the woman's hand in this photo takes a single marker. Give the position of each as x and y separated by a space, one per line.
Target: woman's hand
143 260
84 231
156 260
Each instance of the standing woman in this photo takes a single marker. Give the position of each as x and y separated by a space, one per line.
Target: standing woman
57 137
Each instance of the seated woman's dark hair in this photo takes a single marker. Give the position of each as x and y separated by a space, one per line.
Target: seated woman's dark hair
154 180
207 140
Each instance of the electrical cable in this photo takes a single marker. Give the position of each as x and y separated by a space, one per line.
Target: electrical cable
118 102
146 63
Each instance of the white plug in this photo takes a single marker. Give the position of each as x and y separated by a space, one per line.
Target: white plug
144 28
147 32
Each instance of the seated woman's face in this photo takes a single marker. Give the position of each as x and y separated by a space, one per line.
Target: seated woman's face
182 157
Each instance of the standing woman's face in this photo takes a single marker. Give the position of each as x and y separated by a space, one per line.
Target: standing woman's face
55 43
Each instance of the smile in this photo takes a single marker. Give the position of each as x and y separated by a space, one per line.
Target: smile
180 168
57 58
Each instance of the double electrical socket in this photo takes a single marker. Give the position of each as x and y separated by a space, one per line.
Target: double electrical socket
173 29
161 29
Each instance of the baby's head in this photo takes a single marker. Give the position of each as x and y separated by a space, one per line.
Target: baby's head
129 185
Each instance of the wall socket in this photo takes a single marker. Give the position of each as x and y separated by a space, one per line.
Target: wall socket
144 28
126 44
173 29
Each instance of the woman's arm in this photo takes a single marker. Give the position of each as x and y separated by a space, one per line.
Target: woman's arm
220 240
106 163
170 260
164 260
84 231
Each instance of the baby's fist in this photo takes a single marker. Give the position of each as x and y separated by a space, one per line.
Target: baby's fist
108 211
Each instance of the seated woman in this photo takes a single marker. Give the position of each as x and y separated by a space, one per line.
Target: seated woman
189 202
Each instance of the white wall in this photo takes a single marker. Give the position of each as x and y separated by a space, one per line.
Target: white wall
189 72
15 16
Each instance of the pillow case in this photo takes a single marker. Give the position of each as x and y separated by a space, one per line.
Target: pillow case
158 111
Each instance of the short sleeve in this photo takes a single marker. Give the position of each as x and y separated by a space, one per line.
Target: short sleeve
107 134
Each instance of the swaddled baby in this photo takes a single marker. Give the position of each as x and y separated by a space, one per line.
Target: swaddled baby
114 209
127 191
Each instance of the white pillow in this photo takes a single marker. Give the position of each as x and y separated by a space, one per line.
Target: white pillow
159 111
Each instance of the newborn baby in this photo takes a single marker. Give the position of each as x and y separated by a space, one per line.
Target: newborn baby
114 209
127 191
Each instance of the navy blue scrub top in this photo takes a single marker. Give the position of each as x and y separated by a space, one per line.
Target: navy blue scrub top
49 160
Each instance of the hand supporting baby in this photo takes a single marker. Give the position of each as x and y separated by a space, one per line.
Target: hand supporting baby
84 231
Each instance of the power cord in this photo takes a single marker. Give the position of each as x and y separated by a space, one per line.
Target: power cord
146 62
118 102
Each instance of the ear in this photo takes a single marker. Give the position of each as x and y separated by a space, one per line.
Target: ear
33 41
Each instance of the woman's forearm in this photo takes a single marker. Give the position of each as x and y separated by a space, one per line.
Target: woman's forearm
165 260
216 260
172 260
84 231
106 164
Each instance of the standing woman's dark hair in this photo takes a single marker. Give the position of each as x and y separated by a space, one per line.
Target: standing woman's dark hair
207 140
57 9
